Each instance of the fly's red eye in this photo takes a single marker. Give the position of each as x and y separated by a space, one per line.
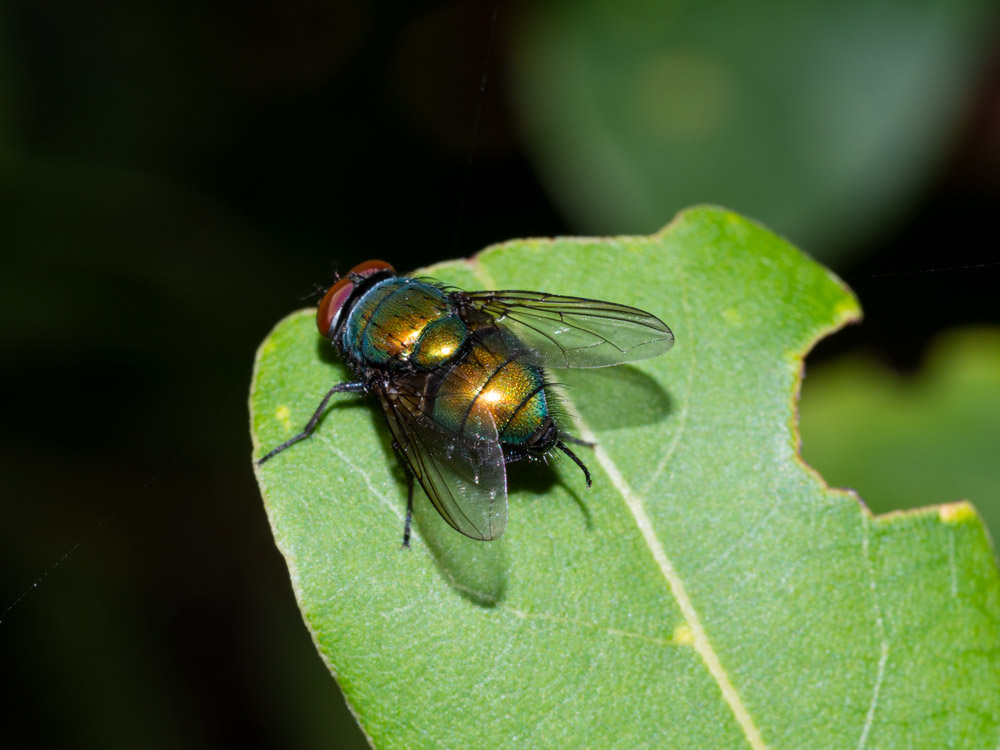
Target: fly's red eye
336 297
334 301
372 266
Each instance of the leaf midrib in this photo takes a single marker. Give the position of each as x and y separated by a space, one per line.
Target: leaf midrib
701 642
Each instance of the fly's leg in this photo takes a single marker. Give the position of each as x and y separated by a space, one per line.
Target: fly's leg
575 440
314 420
586 472
409 512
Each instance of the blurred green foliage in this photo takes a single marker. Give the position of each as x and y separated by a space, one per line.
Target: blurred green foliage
904 441
821 119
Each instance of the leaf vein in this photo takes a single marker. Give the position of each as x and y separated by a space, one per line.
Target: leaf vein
883 640
661 465
702 644
524 615
701 641
365 477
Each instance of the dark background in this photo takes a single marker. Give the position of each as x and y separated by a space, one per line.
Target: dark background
174 178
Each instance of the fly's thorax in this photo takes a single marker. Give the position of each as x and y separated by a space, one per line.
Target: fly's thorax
403 320
488 388
440 341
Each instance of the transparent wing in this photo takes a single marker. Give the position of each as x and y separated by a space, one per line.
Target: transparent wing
573 332
464 477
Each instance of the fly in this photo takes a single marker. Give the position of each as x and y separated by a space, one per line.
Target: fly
461 378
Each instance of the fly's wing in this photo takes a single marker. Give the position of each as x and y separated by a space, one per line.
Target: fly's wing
573 332
464 477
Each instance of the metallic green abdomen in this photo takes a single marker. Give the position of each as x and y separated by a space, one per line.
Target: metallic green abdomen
405 321
489 383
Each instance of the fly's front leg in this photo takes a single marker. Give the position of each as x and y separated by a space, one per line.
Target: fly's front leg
314 420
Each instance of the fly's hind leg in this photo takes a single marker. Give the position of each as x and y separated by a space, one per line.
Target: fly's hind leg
575 440
314 420
409 512
576 459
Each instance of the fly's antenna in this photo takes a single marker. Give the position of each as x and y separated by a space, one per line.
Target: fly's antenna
576 459
318 290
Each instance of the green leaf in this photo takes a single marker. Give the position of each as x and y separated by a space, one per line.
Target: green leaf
709 592
911 440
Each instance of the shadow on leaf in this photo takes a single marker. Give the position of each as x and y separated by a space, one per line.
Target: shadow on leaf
476 570
328 353
615 398
537 478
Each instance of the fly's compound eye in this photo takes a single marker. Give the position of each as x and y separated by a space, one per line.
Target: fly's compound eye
337 296
333 303
371 266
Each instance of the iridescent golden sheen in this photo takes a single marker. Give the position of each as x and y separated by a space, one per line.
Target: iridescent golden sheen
488 384
388 323
440 341
481 386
